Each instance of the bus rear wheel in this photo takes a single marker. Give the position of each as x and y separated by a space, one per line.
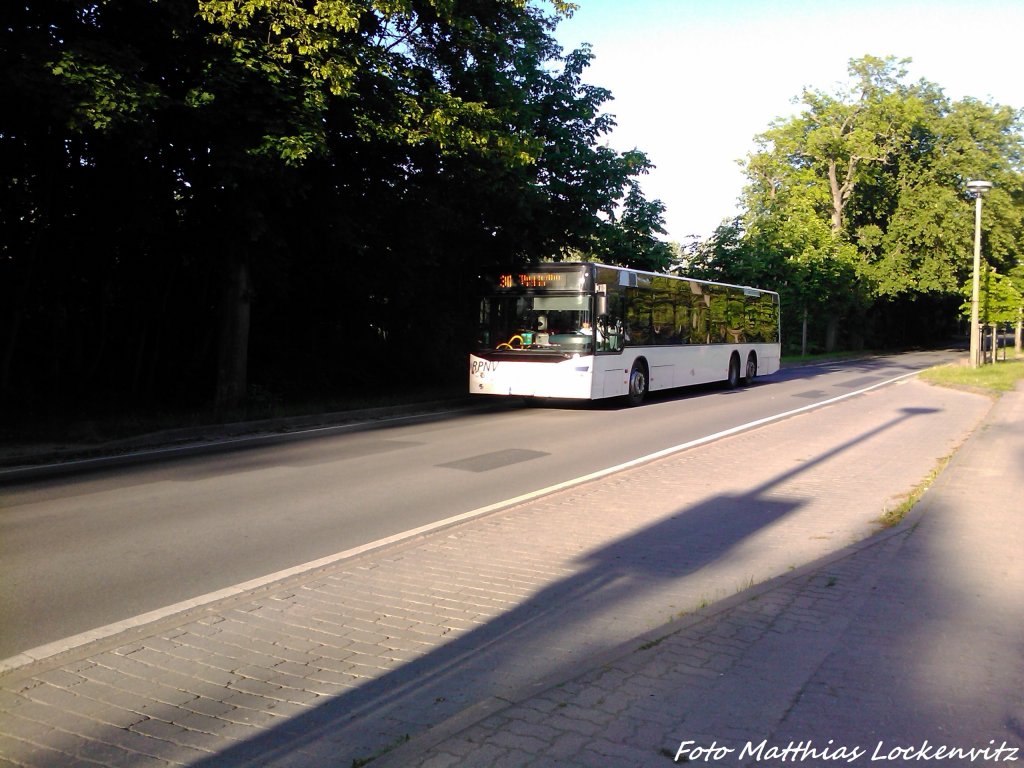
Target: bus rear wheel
637 383
751 372
733 379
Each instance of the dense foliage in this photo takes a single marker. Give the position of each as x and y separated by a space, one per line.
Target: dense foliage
220 202
857 209
209 201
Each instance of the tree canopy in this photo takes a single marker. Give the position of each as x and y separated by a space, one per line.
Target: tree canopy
269 199
857 207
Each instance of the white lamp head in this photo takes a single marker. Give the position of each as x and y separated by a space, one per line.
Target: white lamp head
978 187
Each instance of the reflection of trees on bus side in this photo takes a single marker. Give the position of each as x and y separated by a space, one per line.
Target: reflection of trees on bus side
763 317
664 310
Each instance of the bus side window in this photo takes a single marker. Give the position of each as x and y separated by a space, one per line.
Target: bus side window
604 338
610 332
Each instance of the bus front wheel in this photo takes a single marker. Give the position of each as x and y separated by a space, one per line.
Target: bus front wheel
637 383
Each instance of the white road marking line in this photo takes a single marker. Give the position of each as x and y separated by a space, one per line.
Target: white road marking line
100 633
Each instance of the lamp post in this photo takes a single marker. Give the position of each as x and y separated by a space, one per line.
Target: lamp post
976 188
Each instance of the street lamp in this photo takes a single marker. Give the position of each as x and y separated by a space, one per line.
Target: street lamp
976 188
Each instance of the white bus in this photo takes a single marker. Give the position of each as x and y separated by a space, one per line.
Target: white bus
588 331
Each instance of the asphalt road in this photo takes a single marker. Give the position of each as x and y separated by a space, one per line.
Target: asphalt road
84 551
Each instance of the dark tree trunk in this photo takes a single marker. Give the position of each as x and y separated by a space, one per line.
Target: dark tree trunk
233 354
832 334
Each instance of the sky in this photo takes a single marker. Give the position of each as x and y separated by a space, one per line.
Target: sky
694 81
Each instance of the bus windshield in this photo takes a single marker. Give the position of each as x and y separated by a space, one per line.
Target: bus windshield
535 323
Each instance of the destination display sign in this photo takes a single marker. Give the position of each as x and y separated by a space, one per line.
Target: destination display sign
552 281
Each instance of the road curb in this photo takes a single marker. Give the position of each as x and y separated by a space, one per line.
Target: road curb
214 438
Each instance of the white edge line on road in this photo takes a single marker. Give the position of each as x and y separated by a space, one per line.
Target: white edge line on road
100 633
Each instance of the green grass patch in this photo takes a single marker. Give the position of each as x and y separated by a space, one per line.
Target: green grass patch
891 517
998 377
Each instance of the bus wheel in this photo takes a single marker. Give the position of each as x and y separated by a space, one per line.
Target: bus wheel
751 372
734 372
637 383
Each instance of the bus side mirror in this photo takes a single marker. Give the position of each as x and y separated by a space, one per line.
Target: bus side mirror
601 304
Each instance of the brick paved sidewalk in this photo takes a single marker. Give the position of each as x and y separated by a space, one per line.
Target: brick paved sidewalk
906 651
346 663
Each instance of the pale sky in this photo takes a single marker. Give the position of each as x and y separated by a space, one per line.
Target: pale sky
694 81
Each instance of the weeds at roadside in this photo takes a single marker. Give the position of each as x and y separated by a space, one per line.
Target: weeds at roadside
704 602
359 762
655 642
744 586
891 517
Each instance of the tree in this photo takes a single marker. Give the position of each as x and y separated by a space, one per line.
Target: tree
628 238
791 212
881 165
1016 277
222 201
918 245
1000 302
841 137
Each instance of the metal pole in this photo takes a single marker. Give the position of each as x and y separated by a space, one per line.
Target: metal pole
975 330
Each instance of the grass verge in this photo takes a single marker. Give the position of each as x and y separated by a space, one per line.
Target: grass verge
1000 377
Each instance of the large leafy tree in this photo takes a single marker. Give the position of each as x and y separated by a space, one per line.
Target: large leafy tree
255 193
862 194
915 240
